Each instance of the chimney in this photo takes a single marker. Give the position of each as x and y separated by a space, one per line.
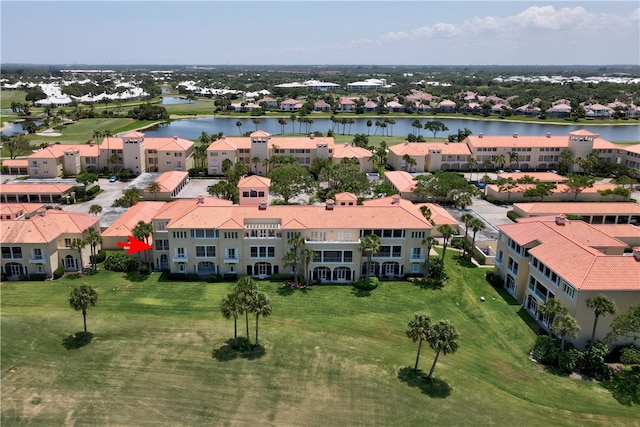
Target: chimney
548 134
395 199
312 135
561 219
42 212
406 143
263 205
480 135
175 138
200 200
330 204
515 134
636 253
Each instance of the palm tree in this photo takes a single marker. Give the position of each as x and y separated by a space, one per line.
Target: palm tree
96 136
93 239
429 242
231 307
283 123
260 306
601 306
95 209
377 123
565 325
370 246
550 309
473 164
154 188
78 245
500 160
418 330
255 160
307 256
81 298
245 289
239 124
466 220
476 225
256 121
513 157
293 123
142 231
297 241
290 259
447 232
442 338
369 124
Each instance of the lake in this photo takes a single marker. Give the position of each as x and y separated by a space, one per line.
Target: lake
192 128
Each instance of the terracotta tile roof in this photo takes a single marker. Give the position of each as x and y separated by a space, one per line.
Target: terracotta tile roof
346 197
254 181
439 215
21 163
618 230
170 180
43 229
35 188
17 208
141 211
569 250
560 188
542 176
423 148
347 151
178 207
381 214
226 143
167 144
401 180
111 143
58 150
584 208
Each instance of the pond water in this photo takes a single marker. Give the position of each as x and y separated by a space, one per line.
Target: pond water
192 128
168 100
13 127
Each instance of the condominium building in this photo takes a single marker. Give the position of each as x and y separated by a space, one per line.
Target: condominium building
42 243
207 235
552 257
259 150
519 152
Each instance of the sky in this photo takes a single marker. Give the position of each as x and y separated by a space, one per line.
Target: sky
308 32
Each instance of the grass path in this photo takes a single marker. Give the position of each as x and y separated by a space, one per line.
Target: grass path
331 356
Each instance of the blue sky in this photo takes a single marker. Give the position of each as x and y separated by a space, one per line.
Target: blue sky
320 32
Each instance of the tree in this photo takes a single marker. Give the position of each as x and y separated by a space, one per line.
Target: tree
345 176
513 158
419 328
550 309
131 197
565 162
369 124
476 225
95 209
417 125
506 185
93 240
473 164
245 289
239 124
142 231
81 298
16 145
78 245
500 160
231 307
370 246
282 122
541 190
435 126
626 325
577 183
255 160
442 338
466 220
447 232
256 121
307 255
565 325
154 188
297 242
429 242
291 180
601 306
260 306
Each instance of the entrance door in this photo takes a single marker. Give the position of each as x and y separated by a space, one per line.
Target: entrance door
70 263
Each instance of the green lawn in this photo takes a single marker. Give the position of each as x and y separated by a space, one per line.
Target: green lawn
332 356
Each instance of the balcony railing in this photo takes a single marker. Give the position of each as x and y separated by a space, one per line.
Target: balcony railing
180 258
36 260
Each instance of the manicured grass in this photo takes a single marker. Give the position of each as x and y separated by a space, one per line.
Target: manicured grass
159 355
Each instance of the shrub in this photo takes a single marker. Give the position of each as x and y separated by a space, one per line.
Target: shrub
101 256
192 277
281 277
214 278
591 362
546 350
122 263
512 216
37 276
93 191
193 172
58 272
493 279
179 277
567 360
144 269
367 286
231 276
630 356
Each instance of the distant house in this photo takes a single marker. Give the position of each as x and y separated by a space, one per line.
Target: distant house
290 105
346 105
271 103
446 106
321 105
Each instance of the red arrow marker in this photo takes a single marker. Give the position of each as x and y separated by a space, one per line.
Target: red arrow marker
134 245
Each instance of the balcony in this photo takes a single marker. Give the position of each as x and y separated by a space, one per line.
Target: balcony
231 260
39 260
181 258
417 258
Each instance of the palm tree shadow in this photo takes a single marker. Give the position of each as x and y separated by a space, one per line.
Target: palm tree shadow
432 387
244 350
284 291
360 293
78 340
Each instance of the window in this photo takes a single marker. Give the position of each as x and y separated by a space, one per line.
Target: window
263 252
230 234
178 155
205 251
181 253
231 253
36 253
418 234
179 234
292 234
318 236
345 236
162 244
568 289
204 233
416 253
11 252
513 266
68 242
387 251
161 225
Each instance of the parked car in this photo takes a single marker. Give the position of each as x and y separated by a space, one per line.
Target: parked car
113 178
